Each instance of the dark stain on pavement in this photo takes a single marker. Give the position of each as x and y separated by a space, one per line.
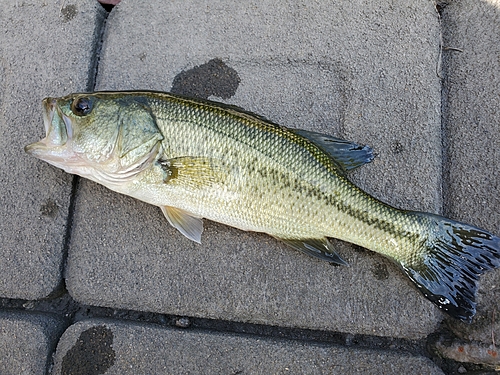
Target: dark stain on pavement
358 249
92 353
380 272
69 12
397 148
213 78
49 208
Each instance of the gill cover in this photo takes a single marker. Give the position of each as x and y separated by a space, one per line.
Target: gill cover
135 143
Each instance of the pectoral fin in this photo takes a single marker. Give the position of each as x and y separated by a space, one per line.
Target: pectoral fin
187 224
348 155
193 171
317 247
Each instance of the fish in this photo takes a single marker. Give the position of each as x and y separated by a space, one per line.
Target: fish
199 159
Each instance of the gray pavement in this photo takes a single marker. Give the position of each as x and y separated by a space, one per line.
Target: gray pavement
27 342
472 168
119 348
329 77
45 49
419 86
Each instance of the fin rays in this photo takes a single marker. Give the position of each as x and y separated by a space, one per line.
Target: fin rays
348 155
454 258
189 225
316 247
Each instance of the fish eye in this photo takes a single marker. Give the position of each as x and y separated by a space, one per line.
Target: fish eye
81 106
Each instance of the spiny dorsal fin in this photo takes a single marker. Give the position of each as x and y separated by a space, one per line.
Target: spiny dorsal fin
316 247
189 225
348 155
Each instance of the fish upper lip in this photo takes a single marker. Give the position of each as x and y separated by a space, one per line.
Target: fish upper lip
48 113
38 149
51 108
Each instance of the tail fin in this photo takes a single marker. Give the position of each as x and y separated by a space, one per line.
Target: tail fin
449 264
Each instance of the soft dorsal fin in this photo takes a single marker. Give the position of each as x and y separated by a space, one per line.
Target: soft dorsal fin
348 155
189 225
316 247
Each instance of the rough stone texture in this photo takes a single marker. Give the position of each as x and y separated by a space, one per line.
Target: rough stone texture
35 196
26 342
471 121
363 71
118 348
357 70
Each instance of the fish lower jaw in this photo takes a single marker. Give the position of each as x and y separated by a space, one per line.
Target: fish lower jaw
45 150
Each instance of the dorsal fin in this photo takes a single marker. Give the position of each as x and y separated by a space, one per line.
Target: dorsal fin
348 155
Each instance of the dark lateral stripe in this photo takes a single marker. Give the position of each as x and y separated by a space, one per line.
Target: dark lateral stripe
245 127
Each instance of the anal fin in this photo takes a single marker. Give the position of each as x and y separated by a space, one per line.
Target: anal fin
316 247
189 225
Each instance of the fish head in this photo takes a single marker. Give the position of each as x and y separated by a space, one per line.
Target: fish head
106 137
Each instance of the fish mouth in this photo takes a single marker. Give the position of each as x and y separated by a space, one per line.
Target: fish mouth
58 133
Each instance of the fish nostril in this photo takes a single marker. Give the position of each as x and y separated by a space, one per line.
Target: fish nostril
52 104
49 104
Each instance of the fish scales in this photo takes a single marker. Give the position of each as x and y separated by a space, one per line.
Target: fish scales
200 159
299 197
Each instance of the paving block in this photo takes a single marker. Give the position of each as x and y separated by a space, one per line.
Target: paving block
106 347
27 342
471 124
46 49
364 71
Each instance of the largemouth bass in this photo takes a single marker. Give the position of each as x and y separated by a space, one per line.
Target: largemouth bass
200 159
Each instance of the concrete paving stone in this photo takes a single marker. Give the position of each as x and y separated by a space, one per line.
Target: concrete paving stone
106 347
471 112
45 49
366 72
27 342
